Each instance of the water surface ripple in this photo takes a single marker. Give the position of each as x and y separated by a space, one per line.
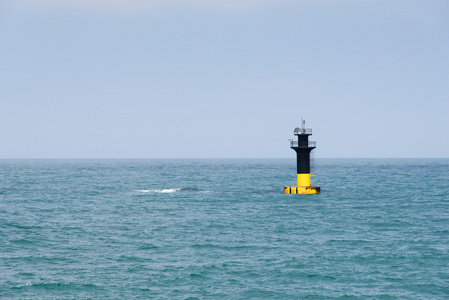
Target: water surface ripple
205 229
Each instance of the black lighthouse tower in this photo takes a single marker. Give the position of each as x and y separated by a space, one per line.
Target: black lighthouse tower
303 147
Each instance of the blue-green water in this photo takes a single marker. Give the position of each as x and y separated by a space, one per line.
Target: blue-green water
209 229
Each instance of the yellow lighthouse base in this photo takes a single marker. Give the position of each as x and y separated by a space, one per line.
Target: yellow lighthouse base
302 190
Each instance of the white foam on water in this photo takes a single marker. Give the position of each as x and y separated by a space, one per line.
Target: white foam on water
165 191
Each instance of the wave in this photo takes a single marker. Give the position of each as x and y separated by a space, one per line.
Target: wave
55 285
169 191
165 191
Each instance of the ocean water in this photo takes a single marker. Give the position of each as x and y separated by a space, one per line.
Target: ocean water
223 229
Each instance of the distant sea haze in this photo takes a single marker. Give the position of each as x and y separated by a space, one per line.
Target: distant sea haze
223 229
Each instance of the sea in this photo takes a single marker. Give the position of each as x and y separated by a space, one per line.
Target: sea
223 229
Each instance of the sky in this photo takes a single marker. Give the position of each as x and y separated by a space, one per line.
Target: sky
224 78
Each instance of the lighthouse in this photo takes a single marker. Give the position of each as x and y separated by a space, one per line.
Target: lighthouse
303 147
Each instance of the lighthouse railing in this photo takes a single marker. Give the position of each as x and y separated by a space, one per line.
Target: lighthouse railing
303 144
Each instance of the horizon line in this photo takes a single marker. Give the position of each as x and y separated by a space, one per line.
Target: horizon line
204 158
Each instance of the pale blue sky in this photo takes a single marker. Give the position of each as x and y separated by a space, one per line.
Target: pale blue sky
201 79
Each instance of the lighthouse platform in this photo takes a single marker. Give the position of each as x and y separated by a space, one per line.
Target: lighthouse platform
304 190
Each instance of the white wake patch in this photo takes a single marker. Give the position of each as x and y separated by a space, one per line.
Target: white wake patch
164 191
